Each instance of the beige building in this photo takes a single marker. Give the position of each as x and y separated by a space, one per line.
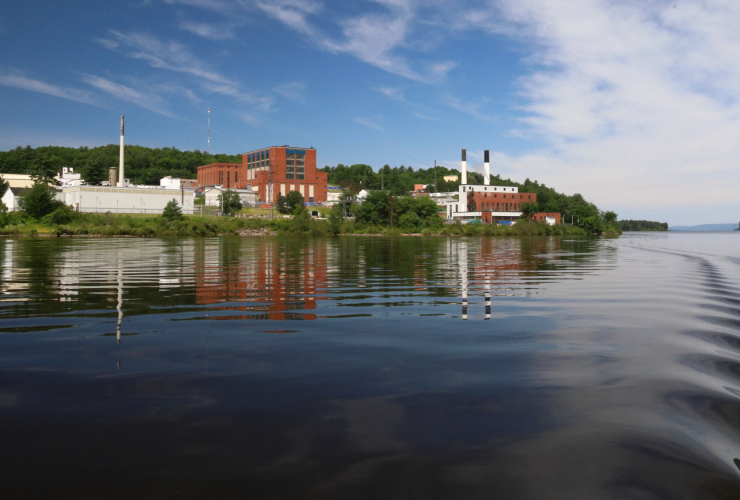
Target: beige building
18 180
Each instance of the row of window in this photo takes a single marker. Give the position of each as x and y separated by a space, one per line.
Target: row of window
295 166
521 196
485 188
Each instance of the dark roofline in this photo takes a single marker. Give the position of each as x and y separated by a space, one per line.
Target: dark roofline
285 146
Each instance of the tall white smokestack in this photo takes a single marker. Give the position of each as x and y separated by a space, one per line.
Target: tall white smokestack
464 179
486 169
120 158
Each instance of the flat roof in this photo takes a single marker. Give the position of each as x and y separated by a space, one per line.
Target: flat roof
285 146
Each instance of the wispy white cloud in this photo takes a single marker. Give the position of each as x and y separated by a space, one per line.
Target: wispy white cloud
292 13
369 123
159 54
209 31
645 120
174 56
216 5
19 81
292 90
146 100
392 92
469 108
377 38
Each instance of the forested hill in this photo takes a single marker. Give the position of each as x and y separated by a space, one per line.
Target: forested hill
143 165
401 180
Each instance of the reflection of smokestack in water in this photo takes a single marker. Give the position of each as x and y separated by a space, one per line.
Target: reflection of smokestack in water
120 158
119 306
486 169
464 179
463 261
488 301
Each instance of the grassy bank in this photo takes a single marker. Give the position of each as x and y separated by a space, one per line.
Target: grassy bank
85 224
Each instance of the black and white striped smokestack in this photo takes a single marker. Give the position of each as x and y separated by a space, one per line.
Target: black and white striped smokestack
486 169
464 179
120 158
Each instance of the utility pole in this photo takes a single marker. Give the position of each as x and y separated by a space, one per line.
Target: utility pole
270 181
382 183
435 176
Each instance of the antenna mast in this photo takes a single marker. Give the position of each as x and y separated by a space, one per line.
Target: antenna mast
209 130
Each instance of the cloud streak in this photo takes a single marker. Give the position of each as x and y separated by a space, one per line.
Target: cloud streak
377 38
159 54
151 102
369 123
209 31
19 81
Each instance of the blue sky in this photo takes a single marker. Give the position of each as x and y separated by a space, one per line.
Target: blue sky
634 104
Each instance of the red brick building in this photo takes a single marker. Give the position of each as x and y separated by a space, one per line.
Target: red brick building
543 216
291 169
220 174
486 201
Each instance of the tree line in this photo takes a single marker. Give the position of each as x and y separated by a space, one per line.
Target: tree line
142 165
643 225
398 181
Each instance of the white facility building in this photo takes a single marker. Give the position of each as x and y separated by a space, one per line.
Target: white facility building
126 200
458 209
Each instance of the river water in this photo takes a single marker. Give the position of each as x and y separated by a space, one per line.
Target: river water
367 367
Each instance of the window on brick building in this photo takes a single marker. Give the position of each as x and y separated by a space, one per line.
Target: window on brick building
290 166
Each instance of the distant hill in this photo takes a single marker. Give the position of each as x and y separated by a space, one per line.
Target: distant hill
705 227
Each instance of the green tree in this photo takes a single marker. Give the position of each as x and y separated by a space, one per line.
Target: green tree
44 170
336 218
294 200
97 166
4 185
39 201
281 205
529 210
375 209
610 217
172 211
301 219
229 202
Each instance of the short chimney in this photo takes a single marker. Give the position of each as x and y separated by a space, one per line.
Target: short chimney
486 169
464 179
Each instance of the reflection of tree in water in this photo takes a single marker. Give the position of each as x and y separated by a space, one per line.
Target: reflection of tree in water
63 275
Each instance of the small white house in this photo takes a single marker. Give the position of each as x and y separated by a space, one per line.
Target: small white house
169 182
247 196
14 195
362 195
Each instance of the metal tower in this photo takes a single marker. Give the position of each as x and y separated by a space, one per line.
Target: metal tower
209 130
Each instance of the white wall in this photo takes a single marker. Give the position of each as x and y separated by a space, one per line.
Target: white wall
125 200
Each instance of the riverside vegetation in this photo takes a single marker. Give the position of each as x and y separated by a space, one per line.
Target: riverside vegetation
148 165
380 214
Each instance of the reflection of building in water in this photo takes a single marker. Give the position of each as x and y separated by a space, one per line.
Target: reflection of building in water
279 283
10 273
492 267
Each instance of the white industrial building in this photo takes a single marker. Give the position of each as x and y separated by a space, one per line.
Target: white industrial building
458 209
126 200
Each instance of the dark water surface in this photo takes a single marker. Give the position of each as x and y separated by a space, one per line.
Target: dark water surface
352 368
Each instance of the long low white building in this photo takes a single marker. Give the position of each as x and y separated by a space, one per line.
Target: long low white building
126 200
